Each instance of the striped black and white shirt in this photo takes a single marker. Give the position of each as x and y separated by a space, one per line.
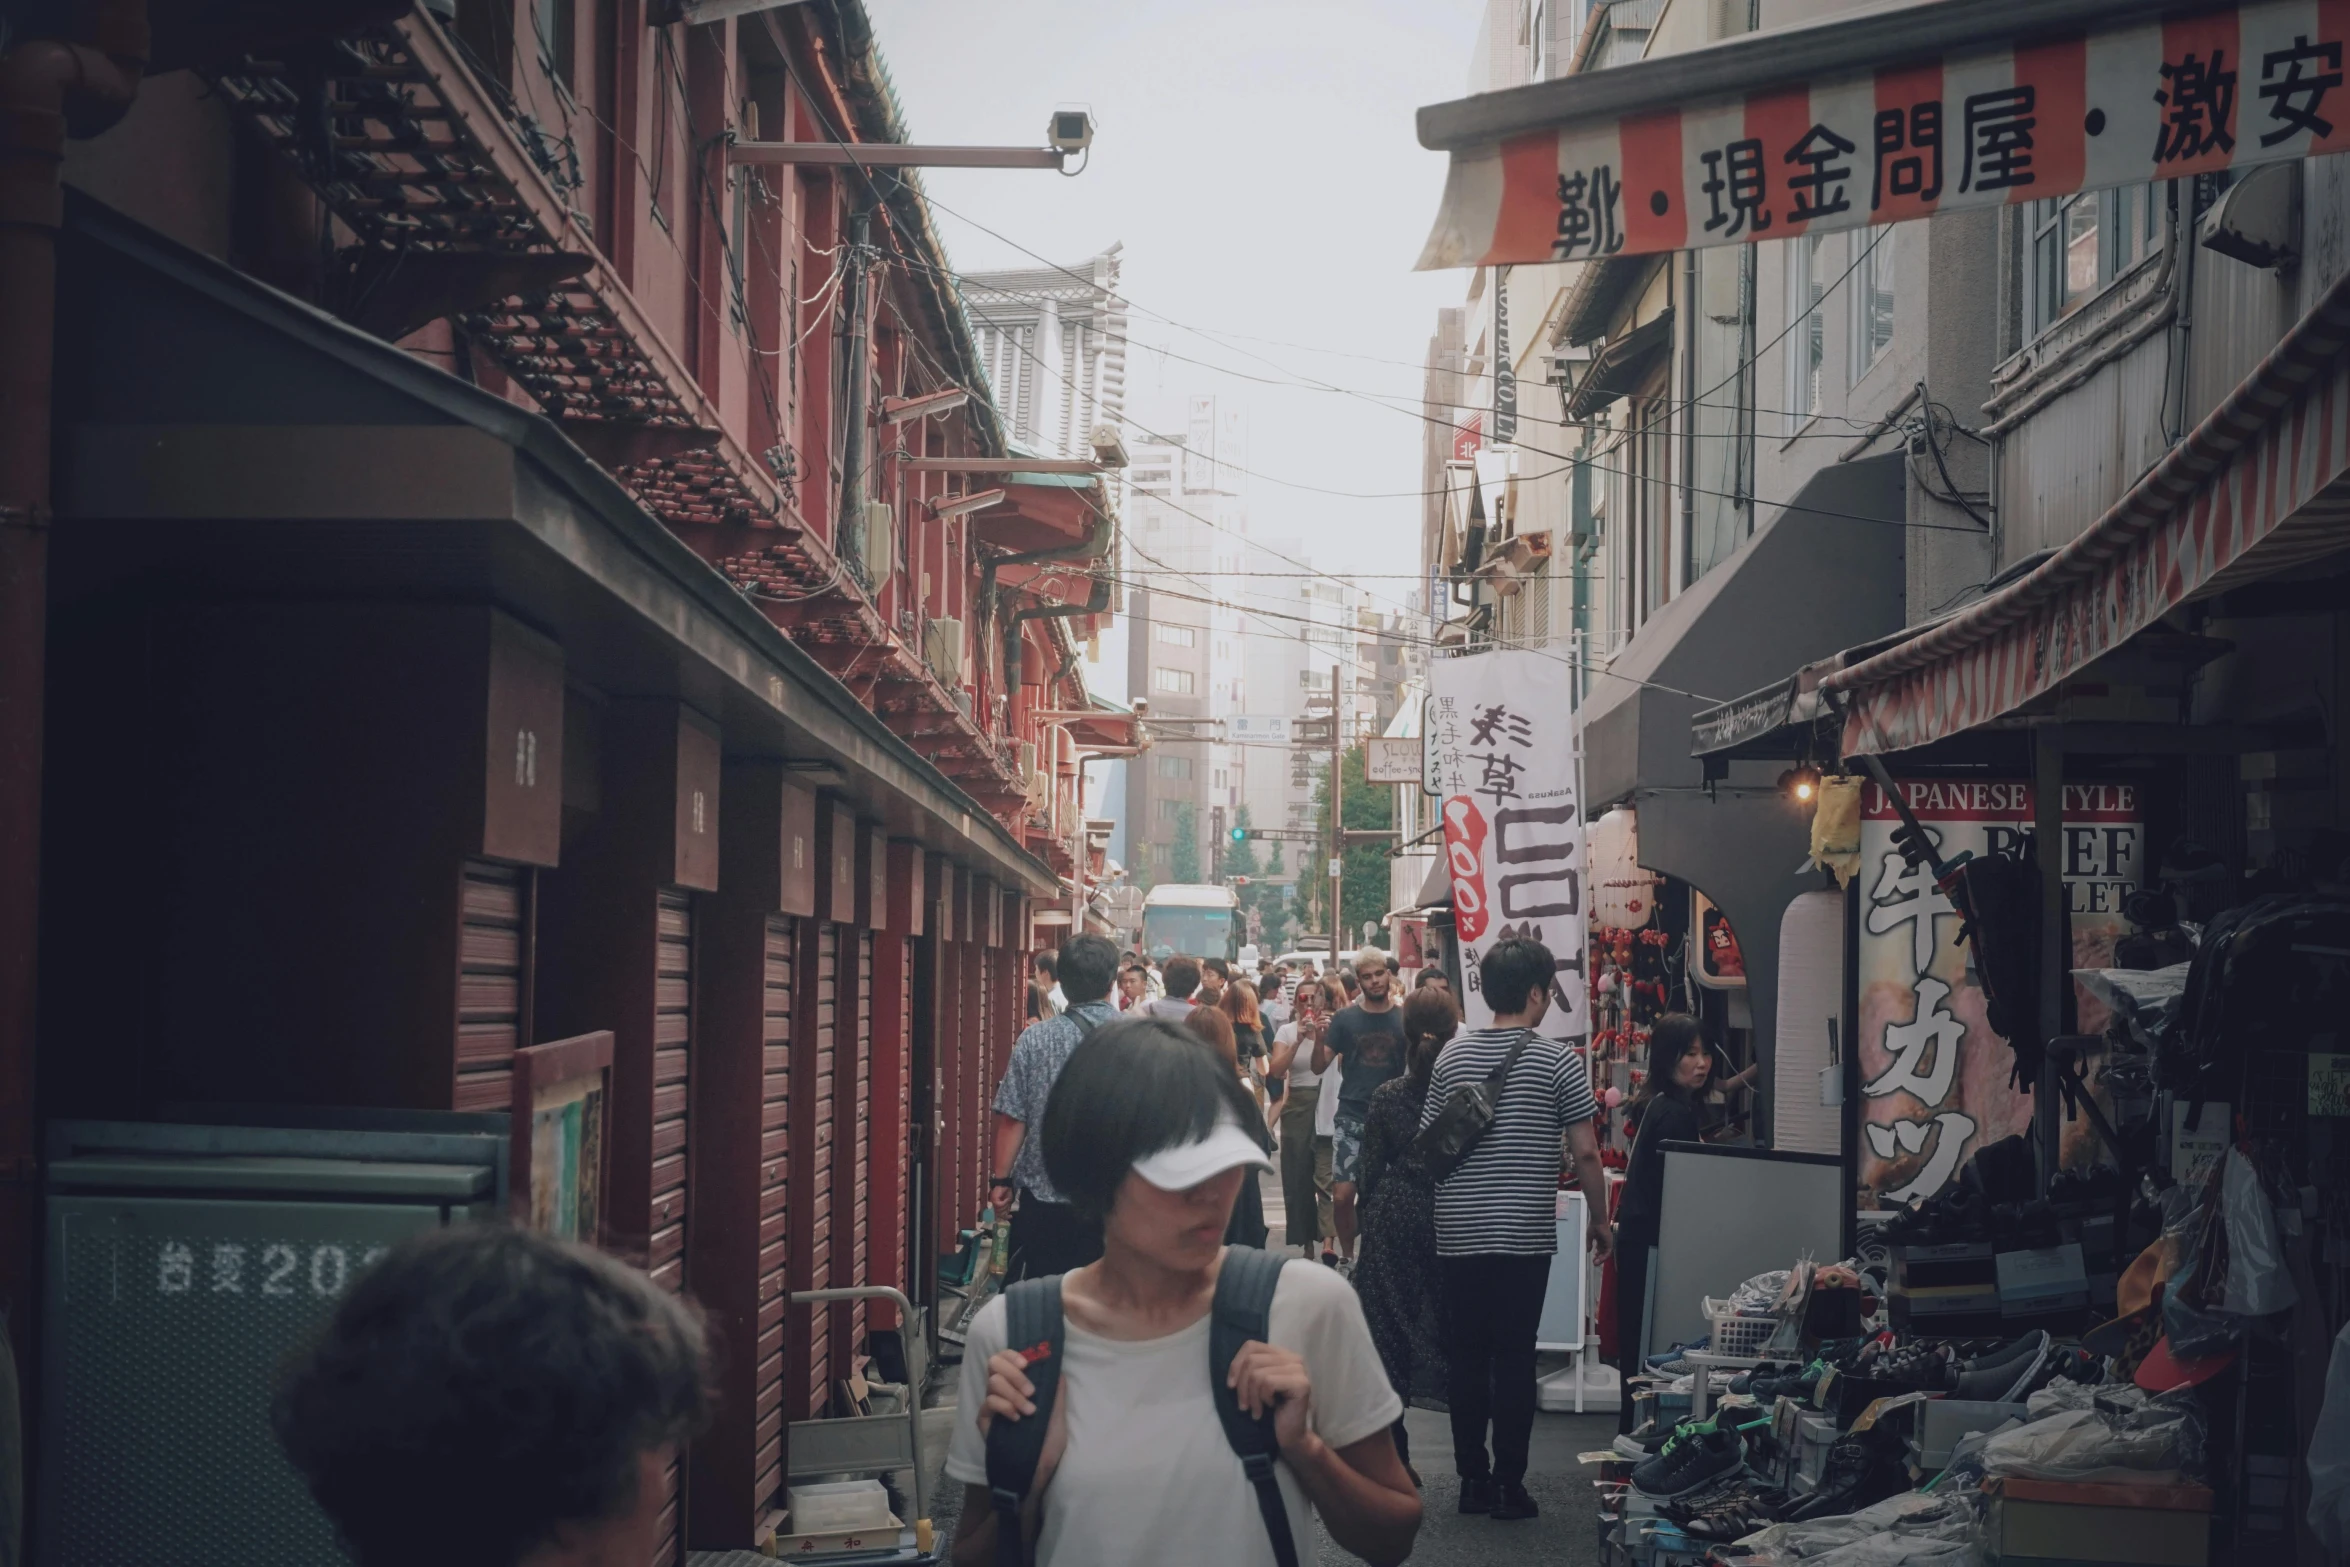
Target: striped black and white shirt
1504 1196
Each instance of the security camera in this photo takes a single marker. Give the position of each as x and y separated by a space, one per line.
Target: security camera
1070 130
1109 448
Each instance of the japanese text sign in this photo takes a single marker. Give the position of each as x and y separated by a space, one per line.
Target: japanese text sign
1934 1076
2157 99
1501 736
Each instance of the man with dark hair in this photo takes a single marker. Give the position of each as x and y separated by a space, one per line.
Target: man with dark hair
1497 1218
1214 975
1182 978
1045 996
1367 1037
486 1396
1047 1235
1433 979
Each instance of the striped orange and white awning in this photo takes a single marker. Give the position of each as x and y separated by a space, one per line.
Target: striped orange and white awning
2258 487
2049 99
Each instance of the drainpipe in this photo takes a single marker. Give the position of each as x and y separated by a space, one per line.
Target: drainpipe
849 535
1093 546
49 89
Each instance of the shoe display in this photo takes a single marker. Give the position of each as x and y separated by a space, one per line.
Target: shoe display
1697 1455
1511 1502
1476 1495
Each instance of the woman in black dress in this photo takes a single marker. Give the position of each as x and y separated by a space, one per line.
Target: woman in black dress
1396 1277
1667 1109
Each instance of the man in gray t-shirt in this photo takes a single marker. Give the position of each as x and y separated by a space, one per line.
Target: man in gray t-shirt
1047 1235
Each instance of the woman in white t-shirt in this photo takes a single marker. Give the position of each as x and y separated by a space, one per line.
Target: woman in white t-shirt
1147 1133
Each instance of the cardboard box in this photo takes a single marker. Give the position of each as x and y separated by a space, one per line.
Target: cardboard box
2047 1521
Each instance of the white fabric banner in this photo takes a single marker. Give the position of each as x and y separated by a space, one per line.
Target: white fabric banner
1502 738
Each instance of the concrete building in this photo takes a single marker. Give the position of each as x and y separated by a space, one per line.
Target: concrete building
1186 526
1053 341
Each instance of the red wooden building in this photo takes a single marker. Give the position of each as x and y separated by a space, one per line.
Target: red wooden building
505 572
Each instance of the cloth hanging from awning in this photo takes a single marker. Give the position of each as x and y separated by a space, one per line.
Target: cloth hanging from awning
2258 487
1874 117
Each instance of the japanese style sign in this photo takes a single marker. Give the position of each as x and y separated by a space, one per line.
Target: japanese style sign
2015 122
1502 738
1934 1077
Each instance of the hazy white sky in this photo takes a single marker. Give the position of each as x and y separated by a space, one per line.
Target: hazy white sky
1257 159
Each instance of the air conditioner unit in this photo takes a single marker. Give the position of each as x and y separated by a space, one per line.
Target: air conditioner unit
942 650
879 544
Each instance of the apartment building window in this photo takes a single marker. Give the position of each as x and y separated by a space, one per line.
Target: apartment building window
1175 767
1176 636
1872 300
1179 682
1172 810
2081 243
1807 339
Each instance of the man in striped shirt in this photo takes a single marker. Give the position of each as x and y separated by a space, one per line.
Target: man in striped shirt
1497 1218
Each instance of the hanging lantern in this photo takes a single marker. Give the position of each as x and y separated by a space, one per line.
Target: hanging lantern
1623 895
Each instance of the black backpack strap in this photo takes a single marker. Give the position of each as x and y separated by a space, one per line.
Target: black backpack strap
1244 1311
1032 1325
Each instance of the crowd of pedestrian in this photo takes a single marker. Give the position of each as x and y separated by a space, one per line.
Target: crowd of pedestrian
546 1388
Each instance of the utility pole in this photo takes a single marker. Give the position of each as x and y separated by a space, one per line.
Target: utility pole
1337 817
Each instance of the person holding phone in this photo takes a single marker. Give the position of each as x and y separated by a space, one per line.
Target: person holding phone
1305 1154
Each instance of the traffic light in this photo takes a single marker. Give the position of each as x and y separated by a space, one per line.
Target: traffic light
1240 835
1240 881
1321 730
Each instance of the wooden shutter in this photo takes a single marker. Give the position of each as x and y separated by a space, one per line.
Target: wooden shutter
814 1016
672 1038
490 942
774 1211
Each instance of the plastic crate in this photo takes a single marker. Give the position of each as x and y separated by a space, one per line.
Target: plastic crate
1740 1337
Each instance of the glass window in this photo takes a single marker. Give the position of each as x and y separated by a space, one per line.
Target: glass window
1807 339
1179 681
2081 243
1872 299
1174 767
1177 636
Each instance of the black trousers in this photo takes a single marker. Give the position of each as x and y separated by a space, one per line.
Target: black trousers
1492 1309
1048 1238
1631 1297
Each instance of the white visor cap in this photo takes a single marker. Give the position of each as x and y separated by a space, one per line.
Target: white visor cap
1180 1168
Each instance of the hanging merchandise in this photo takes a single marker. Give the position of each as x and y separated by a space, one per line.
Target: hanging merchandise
1623 893
1835 828
1715 959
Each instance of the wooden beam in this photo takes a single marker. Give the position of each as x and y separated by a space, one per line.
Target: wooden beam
1078 465
894 155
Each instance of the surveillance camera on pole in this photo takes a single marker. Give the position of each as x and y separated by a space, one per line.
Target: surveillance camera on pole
1070 129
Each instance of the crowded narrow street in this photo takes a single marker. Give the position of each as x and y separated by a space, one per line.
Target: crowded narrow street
903 783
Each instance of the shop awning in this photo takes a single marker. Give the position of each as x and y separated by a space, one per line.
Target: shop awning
1876 115
1618 369
277 452
1822 575
2258 487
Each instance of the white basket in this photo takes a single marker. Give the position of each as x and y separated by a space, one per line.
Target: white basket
1741 1338
847 1504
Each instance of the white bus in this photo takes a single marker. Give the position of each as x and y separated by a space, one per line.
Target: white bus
1191 921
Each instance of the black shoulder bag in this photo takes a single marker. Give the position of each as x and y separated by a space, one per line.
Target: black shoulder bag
1468 1110
1242 1311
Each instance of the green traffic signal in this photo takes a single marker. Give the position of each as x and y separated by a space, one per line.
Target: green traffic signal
1240 835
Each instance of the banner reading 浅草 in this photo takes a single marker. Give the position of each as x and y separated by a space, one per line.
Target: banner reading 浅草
2158 99
1502 743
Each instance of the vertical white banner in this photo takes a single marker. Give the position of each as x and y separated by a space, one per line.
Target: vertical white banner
1502 743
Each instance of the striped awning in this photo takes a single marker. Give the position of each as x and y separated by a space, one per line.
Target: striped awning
2257 488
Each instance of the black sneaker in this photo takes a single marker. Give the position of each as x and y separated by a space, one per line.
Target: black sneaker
1862 1468
1476 1495
1697 1455
1511 1501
